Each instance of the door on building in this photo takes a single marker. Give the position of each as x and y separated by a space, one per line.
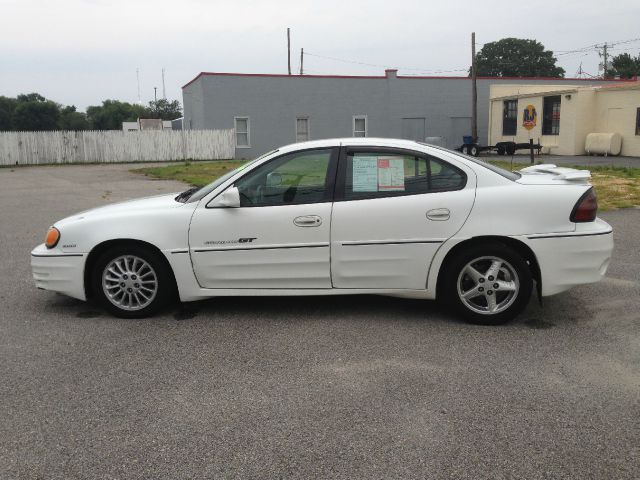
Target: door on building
279 236
414 129
460 127
393 209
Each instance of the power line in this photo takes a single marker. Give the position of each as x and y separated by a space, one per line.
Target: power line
355 62
583 51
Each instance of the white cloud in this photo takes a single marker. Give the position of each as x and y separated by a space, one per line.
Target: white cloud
83 51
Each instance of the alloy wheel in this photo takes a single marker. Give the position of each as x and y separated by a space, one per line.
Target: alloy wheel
129 282
488 285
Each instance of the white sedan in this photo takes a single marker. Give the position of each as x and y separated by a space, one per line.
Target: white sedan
335 217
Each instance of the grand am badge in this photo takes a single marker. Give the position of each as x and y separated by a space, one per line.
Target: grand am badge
230 242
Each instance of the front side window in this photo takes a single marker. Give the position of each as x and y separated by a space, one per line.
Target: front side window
375 175
241 125
360 126
551 115
510 117
295 178
302 129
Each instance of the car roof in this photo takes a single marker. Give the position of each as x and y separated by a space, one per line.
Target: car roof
354 141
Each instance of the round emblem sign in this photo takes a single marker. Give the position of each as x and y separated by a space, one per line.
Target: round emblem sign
529 117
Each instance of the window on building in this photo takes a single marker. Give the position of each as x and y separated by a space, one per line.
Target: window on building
551 115
375 175
243 138
360 126
510 117
638 121
302 129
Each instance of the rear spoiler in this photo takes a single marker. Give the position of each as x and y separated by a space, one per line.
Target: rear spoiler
560 173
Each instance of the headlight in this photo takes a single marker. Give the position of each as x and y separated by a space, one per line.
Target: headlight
52 238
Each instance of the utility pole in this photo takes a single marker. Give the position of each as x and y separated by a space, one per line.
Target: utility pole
155 94
138 79
301 61
289 50
605 57
474 91
164 91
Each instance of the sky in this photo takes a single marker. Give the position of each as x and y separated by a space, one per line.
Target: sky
81 52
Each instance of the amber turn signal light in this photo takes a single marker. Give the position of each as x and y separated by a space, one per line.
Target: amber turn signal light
52 238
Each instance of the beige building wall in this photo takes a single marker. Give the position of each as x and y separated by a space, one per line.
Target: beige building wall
584 120
615 112
583 110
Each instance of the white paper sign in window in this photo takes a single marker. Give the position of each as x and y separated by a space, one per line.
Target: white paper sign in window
390 174
365 174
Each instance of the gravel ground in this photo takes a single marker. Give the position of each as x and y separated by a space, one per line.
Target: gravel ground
352 387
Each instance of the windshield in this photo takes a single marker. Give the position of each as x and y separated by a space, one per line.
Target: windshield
196 194
513 176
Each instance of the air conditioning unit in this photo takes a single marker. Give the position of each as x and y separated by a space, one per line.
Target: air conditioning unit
603 144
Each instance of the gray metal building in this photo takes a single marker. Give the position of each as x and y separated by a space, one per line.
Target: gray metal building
268 111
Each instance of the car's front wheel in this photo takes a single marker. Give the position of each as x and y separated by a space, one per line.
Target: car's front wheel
132 282
488 284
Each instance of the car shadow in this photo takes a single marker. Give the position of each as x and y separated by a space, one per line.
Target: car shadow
311 308
555 311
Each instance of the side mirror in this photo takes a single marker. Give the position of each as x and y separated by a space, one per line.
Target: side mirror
230 198
274 179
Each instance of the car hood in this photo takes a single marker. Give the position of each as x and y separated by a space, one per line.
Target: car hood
127 207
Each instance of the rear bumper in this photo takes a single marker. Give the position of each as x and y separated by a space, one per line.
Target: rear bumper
572 259
58 272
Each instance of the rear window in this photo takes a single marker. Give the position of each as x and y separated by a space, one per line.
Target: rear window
513 176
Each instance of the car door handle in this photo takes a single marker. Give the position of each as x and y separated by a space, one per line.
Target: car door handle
439 214
308 221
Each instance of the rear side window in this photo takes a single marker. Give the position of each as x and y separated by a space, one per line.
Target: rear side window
376 175
513 176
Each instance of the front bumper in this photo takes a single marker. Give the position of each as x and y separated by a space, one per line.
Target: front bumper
59 272
573 259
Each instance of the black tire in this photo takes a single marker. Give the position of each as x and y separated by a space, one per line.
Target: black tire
513 273
501 150
465 150
510 149
474 150
164 286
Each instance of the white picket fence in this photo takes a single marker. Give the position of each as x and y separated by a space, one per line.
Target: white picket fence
112 146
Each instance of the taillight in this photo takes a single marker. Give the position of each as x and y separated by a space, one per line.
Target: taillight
586 208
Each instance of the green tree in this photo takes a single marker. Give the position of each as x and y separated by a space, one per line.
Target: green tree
111 114
7 106
516 57
625 66
31 97
165 109
34 112
70 119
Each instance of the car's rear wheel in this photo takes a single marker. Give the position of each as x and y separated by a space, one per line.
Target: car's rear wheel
132 282
488 284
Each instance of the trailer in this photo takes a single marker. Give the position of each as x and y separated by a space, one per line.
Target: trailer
501 148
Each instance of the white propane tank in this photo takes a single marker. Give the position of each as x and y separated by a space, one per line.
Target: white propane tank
603 143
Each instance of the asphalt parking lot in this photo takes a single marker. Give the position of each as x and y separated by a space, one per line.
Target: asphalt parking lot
352 387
